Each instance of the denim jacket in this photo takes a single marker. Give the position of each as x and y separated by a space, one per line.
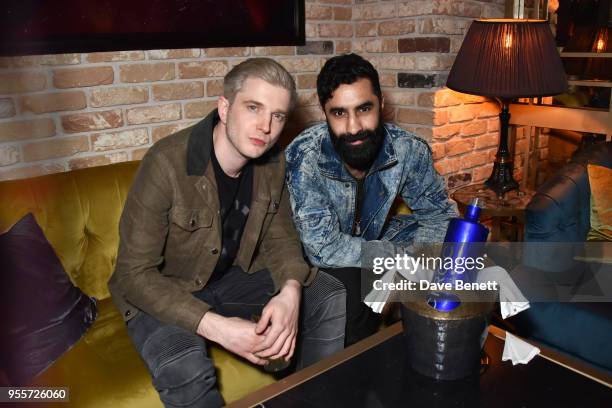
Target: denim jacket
322 194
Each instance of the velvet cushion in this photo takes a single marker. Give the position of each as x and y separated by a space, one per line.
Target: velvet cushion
42 314
79 213
600 180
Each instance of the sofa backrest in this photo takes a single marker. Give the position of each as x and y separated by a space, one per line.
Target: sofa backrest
560 210
79 213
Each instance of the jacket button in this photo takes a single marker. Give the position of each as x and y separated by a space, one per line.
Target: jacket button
198 282
192 223
214 251
128 313
275 205
347 185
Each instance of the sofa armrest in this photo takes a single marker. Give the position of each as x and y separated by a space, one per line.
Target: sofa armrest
558 212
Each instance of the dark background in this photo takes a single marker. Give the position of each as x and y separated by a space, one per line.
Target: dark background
43 26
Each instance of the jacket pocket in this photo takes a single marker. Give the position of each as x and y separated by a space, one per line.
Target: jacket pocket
273 206
191 219
190 231
400 228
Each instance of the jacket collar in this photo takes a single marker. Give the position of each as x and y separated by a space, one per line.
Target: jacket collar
199 147
330 164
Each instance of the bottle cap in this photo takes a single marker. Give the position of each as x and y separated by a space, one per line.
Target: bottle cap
476 202
472 212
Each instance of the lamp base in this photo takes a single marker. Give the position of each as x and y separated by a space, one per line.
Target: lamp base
501 180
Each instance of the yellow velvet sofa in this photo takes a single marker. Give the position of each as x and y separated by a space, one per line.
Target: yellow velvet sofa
79 213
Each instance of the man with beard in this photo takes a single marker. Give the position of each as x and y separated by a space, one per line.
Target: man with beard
344 176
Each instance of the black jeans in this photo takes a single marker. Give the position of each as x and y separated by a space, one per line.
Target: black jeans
178 361
361 321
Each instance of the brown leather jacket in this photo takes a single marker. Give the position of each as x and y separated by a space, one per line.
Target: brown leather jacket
170 232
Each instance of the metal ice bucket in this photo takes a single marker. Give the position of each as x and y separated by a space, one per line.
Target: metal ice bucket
446 345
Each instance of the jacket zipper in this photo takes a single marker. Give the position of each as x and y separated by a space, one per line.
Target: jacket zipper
357 219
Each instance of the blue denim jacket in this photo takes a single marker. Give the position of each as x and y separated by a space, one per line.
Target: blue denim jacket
322 194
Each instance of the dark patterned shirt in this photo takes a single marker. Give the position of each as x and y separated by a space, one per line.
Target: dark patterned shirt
234 203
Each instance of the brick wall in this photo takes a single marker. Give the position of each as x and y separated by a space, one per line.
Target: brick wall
69 111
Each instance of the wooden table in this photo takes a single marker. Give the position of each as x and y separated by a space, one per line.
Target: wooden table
510 207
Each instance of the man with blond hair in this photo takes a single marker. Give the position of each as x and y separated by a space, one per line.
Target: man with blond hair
207 243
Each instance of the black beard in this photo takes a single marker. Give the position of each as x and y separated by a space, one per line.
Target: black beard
361 156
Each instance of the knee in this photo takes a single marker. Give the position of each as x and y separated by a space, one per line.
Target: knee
182 373
334 304
326 300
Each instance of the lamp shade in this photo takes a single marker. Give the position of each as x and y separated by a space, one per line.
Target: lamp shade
589 39
508 58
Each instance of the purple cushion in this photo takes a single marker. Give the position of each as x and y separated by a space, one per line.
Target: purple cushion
42 314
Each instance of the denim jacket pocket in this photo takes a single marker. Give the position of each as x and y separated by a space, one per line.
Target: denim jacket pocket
399 228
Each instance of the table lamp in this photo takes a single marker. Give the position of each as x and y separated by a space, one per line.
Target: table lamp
507 59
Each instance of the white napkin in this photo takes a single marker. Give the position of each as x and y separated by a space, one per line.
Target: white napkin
518 351
376 299
511 308
511 299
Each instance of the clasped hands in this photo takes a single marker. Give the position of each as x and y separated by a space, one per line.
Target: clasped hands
272 337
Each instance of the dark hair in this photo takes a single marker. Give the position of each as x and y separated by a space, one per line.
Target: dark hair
345 69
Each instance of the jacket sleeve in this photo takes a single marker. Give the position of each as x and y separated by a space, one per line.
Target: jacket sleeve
318 225
282 248
428 198
143 230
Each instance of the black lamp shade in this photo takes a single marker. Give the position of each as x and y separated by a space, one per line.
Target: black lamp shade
507 58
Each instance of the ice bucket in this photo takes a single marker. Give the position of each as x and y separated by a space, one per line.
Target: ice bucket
446 345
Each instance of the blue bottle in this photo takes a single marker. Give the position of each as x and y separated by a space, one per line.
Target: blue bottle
465 238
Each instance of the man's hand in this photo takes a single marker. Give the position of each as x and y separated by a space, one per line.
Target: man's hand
281 315
234 334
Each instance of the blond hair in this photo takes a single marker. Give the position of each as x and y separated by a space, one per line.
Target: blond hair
264 68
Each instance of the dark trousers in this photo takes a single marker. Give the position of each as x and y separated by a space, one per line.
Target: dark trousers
361 321
182 371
